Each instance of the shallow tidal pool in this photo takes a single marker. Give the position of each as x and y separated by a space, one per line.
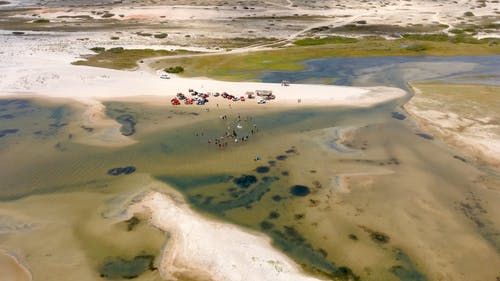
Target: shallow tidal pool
347 193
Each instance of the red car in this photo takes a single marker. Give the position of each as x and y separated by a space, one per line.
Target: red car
242 98
175 101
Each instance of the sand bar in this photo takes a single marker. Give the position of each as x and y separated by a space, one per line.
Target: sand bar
199 246
12 269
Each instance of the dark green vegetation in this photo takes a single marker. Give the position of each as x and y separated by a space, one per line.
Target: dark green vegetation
460 37
41 21
98 49
381 29
117 267
174 69
120 58
325 40
160 35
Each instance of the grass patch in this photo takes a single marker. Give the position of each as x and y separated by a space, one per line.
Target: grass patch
174 69
98 49
250 66
161 35
416 47
438 37
120 58
41 21
326 40
381 28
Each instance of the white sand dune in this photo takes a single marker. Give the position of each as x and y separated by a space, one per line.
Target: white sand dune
219 251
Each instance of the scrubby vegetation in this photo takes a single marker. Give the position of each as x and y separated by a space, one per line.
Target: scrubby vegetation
460 37
98 49
41 21
174 69
161 35
439 37
120 58
325 40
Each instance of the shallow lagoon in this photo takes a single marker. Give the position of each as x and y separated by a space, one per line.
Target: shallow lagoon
383 202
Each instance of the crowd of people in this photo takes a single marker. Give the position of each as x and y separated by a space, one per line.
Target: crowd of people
237 130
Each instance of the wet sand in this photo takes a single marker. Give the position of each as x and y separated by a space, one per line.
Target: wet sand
12 269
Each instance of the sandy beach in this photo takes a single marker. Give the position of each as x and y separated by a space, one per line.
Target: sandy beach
33 72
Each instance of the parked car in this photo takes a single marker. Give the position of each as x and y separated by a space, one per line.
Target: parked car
201 101
261 101
216 94
242 98
164 76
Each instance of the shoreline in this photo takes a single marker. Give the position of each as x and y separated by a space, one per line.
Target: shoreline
16 270
90 84
479 148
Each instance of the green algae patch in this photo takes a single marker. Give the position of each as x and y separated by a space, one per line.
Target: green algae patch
117 267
